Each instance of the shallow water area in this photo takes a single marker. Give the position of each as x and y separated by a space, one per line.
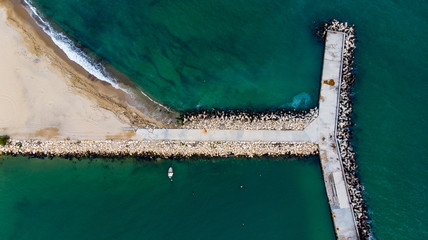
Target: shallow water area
123 199
187 55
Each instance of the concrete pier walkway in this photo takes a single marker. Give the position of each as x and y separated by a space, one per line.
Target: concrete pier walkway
326 124
321 131
224 135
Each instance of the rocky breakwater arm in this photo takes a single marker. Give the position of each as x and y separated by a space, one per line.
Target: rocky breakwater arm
344 123
157 148
245 120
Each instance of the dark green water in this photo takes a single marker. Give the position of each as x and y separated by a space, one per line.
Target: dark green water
189 54
261 53
101 199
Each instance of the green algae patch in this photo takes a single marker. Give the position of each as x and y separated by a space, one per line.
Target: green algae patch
4 139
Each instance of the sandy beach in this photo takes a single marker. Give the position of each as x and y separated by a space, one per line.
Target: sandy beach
43 95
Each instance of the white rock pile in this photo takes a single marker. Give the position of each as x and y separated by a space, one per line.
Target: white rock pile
235 119
154 149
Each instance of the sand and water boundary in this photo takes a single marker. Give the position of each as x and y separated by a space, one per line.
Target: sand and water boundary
108 98
130 107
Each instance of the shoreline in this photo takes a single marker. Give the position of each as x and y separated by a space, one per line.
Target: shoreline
98 69
132 108
213 119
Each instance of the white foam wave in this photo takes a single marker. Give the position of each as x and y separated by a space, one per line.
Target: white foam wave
73 53
76 55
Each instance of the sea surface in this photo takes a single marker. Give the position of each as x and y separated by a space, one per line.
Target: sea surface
128 199
259 54
192 54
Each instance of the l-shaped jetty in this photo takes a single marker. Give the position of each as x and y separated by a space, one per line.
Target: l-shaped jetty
323 131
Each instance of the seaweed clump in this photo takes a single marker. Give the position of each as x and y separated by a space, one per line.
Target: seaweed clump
4 139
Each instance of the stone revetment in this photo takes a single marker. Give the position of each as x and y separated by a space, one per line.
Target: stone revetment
210 133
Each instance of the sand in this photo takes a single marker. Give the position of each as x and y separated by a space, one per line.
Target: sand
41 96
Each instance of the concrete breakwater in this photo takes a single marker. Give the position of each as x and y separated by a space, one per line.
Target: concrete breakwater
154 148
344 123
325 132
245 120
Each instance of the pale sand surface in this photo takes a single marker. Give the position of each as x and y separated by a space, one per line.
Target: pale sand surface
37 99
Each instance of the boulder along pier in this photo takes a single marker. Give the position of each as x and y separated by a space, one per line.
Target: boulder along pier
324 130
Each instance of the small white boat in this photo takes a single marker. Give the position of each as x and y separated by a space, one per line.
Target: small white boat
170 173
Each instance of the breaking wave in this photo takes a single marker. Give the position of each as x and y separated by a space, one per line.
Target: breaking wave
76 54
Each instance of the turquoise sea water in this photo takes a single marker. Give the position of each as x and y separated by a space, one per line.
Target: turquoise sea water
261 54
188 54
216 199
